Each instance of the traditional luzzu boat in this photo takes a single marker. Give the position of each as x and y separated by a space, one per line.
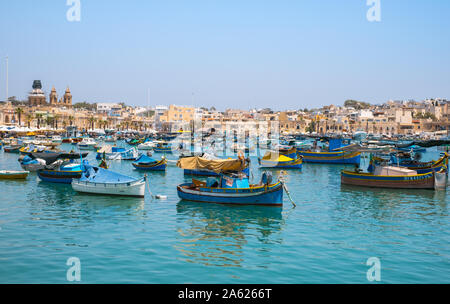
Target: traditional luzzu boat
283 158
64 175
12 148
419 167
281 162
228 188
163 147
87 144
333 156
147 163
13 174
96 180
391 177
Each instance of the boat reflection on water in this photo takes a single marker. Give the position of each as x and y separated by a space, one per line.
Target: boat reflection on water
62 196
215 235
384 203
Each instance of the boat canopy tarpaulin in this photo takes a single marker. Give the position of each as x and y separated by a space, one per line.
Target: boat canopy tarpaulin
216 165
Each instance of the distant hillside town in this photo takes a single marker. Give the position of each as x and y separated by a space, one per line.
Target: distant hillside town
390 118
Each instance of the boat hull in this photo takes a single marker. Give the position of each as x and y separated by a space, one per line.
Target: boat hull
13 175
296 164
159 166
345 158
262 196
59 177
419 181
133 189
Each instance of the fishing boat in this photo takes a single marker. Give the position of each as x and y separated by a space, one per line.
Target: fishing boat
87 144
117 153
147 163
420 167
390 177
57 139
12 148
228 188
38 161
13 174
64 175
274 160
163 147
133 141
96 180
333 156
148 145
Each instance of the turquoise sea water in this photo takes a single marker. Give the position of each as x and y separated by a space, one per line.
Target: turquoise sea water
327 239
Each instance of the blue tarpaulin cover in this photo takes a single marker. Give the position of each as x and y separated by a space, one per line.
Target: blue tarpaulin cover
103 176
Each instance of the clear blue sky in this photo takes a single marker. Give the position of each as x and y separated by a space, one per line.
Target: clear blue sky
231 54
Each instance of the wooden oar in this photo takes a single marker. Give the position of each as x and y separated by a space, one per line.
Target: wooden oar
289 195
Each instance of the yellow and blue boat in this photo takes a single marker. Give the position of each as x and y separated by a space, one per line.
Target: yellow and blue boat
273 160
333 156
64 175
147 163
163 147
413 181
13 174
228 188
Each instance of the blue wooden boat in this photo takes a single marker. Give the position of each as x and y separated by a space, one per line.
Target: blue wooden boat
64 175
282 159
228 188
419 167
333 156
232 189
12 149
147 163
163 147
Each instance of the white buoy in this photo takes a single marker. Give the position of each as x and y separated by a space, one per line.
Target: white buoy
161 197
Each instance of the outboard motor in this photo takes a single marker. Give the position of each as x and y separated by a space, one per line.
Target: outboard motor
212 182
266 178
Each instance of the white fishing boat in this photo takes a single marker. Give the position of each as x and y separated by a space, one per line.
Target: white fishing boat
149 145
101 181
57 139
87 144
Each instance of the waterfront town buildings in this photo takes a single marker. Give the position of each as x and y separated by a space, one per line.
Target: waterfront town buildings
390 118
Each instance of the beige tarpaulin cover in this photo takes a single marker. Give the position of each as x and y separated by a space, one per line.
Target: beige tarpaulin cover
220 165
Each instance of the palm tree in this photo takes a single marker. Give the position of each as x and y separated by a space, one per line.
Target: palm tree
49 121
92 122
57 117
38 117
19 112
29 119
